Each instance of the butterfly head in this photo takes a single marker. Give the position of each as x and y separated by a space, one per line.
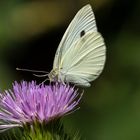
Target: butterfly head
53 75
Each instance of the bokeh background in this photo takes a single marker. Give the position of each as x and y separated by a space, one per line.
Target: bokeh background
30 31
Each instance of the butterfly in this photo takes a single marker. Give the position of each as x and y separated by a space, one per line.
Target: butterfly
81 54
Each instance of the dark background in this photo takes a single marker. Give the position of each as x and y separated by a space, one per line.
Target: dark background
30 31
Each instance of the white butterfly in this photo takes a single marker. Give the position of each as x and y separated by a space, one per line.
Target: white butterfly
80 56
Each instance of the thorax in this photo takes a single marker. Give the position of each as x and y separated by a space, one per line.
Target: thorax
53 75
56 75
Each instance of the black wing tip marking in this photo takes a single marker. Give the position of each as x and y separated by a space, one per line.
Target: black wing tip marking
87 6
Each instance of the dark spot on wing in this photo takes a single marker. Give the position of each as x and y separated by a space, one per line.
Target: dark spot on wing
82 33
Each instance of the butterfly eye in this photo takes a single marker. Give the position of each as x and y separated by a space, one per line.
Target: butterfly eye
82 33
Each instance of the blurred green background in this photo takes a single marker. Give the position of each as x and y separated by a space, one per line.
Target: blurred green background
30 31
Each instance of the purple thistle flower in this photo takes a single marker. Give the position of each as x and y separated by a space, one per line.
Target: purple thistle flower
29 103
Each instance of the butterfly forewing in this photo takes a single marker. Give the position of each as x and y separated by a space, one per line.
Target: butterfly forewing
84 21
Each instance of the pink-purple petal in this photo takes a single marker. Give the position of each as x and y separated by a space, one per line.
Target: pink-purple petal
29 102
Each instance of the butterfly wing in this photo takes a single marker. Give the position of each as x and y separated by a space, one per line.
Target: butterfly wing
84 21
84 60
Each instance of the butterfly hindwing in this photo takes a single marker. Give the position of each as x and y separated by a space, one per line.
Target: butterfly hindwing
85 59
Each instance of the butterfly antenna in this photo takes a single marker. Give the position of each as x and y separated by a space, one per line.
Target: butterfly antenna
43 75
28 70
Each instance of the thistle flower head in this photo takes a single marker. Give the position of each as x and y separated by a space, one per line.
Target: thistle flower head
27 103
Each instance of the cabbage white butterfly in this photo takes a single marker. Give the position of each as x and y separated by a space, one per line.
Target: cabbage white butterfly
80 56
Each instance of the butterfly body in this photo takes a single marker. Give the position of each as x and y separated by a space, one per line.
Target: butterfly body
56 75
80 56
